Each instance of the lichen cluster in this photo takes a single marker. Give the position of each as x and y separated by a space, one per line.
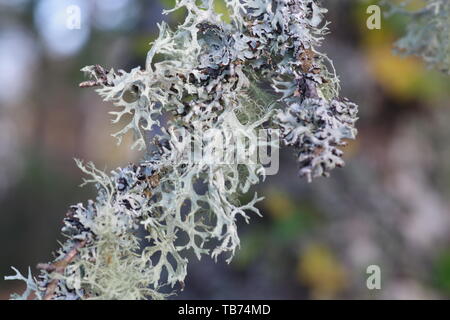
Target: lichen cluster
261 70
427 32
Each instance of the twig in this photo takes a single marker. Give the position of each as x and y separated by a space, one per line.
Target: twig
59 267
102 78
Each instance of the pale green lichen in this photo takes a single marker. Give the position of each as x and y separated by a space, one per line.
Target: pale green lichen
427 32
210 78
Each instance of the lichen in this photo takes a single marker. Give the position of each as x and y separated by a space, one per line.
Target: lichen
211 76
427 33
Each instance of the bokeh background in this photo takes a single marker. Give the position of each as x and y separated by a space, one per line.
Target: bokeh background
388 207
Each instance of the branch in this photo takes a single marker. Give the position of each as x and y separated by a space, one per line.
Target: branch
101 78
59 267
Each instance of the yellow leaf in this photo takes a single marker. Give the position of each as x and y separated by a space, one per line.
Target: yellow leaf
279 205
321 272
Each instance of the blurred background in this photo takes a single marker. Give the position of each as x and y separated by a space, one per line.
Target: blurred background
388 207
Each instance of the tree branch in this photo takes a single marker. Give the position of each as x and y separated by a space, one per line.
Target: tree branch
59 267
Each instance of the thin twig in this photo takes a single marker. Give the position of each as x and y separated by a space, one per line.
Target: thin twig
102 78
59 267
